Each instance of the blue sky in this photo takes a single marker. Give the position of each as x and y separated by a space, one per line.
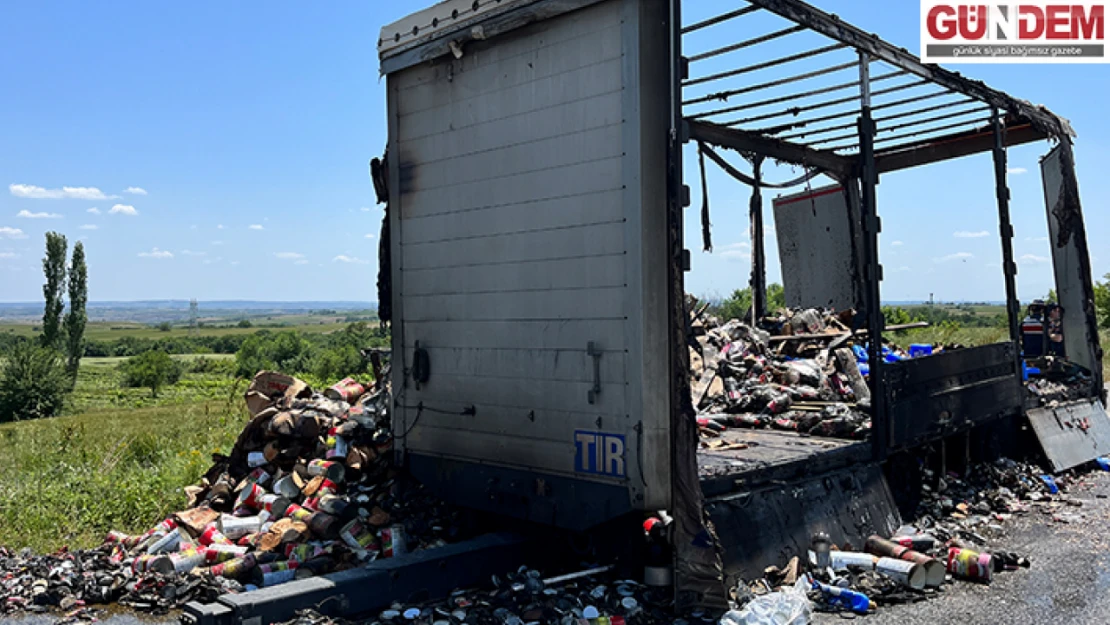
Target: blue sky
231 140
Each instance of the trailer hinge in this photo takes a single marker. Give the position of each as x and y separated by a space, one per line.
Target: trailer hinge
594 352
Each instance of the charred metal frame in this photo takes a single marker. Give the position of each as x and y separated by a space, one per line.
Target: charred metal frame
932 114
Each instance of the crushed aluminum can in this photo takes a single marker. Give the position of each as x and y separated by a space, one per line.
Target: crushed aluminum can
333 471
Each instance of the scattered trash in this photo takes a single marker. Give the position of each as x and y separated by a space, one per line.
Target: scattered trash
789 606
309 488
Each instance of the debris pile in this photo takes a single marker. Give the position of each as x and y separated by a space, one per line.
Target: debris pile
309 488
947 543
799 374
594 596
1052 380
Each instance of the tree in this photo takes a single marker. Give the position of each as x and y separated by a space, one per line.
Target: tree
54 267
244 323
1051 297
153 369
33 383
739 303
164 326
1102 301
76 317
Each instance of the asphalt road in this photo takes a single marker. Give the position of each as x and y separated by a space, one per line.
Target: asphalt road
1068 583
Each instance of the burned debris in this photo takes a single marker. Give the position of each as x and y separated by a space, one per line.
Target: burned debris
309 488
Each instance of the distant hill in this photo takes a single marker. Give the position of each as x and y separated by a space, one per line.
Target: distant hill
156 311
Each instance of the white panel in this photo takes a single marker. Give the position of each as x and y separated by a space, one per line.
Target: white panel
815 231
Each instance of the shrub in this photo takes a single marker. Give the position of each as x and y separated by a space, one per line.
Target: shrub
211 365
338 362
153 369
284 351
244 323
33 383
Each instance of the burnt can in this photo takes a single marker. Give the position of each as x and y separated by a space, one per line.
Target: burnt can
217 553
934 569
331 470
970 565
250 497
393 541
119 538
347 389
357 535
235 567
298 513
323 525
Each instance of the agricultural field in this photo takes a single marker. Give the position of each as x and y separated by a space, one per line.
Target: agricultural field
111 330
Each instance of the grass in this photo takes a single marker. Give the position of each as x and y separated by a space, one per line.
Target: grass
119 461
99 387
68 480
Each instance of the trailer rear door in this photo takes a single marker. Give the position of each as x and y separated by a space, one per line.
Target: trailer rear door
528 208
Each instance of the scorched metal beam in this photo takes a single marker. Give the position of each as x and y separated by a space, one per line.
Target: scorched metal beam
743 141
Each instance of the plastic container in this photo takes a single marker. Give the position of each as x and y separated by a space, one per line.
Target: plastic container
844 598
917 350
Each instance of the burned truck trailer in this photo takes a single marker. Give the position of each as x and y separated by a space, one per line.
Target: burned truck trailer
534 268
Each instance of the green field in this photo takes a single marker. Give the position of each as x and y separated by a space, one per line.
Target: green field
111 330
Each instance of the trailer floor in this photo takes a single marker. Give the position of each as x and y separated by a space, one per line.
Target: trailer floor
772 455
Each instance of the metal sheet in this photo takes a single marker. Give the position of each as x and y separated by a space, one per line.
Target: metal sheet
769 526
817 234
940 395
1070 260
1073 433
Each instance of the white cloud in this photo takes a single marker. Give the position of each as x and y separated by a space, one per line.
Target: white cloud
1016 170
8 255
957 256
964 234
370 235
156 253
903 268
192 253
1037 239
94 210
365 209
736 252
1033 259
896 244
301 262
71 193
26 214
219 226
216 243
342 258
135 190
234 262
255 227
123 209
289 255
89 227
11 233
